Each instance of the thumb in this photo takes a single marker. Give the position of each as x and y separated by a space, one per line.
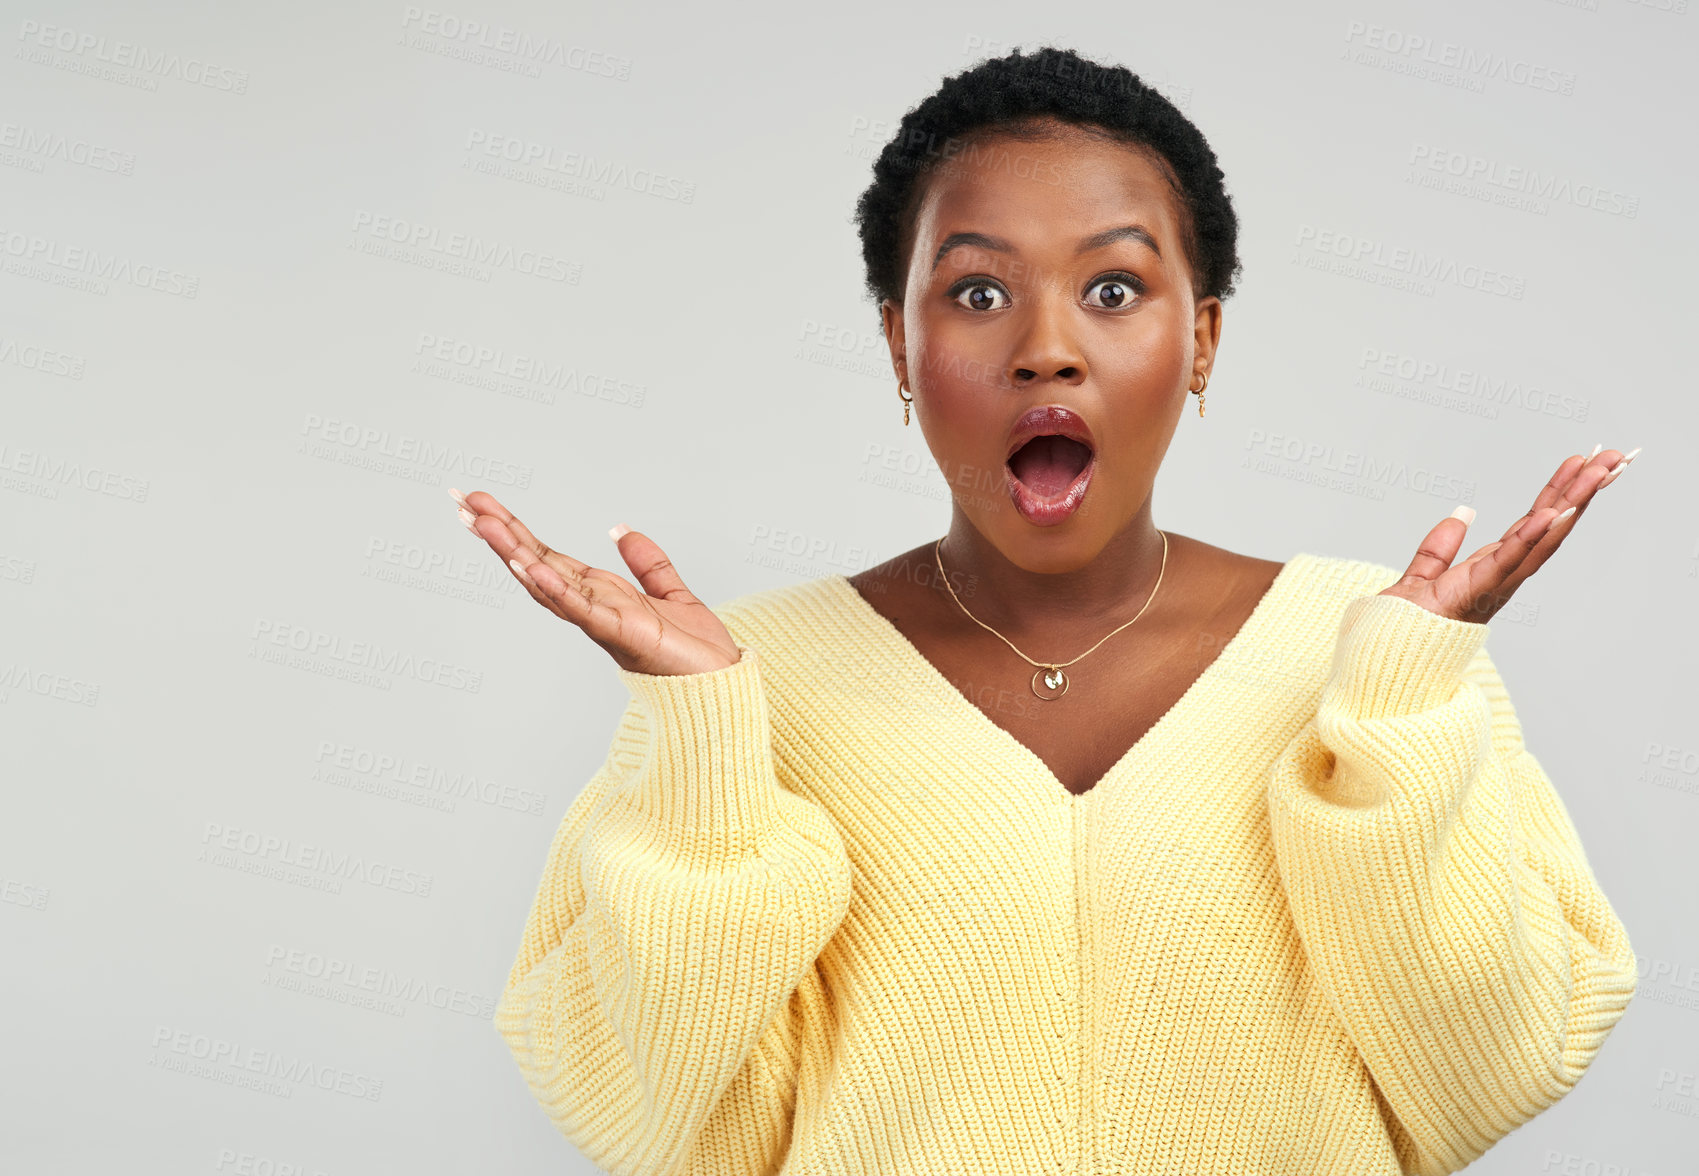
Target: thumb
654 571
1440 545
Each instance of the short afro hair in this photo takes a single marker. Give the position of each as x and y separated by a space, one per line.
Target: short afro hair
1009 96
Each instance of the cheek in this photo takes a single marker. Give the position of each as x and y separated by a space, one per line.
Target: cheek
1148 365
964 410
953 370
963 414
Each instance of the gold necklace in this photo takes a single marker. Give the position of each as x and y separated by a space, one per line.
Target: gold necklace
1054 679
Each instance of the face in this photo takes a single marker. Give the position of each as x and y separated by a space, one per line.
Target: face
1050 273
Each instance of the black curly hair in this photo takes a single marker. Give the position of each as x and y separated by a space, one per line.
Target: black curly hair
1011 96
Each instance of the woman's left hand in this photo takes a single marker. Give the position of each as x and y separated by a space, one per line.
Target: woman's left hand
1481 585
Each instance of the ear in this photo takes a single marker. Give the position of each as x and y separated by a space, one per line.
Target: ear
1206 332
891 321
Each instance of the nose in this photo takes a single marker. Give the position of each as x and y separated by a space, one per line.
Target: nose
1046 349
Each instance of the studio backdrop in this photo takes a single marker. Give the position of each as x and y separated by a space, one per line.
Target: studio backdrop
283 748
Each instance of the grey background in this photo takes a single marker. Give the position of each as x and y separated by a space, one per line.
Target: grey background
195 486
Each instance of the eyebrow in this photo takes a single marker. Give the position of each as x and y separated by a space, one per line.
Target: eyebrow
1095 241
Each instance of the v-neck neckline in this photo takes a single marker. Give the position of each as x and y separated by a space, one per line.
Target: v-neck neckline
894 643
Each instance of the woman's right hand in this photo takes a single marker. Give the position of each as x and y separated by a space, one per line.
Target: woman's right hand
661 628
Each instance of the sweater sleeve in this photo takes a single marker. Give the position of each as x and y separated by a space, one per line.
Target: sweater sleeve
1439 887
657 1004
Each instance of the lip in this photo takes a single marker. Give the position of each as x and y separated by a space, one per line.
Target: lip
1050 418
1038 422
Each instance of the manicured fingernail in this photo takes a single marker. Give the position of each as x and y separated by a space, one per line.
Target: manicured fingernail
1618 468
1466 513
618 531
468 518
458 496
519 570
1595 452
1560 518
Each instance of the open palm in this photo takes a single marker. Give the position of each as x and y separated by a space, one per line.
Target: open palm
660 628
1481 585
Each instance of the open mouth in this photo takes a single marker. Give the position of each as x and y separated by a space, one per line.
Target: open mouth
1048 465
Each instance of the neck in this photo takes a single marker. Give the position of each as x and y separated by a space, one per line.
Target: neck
1107 591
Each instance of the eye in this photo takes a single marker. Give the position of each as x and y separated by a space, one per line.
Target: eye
1119 291
981 294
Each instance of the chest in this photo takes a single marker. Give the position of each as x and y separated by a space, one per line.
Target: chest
1106 711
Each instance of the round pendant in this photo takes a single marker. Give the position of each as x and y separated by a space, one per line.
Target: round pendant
1049 678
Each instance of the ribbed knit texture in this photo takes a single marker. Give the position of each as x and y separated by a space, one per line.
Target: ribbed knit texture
817 914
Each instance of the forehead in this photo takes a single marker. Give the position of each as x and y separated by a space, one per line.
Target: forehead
1045 193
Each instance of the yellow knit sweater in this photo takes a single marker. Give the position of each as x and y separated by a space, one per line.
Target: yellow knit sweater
818 914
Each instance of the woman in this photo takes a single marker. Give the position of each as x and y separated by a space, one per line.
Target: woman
1263 883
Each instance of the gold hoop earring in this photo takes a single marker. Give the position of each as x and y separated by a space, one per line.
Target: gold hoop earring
1199 390
902 387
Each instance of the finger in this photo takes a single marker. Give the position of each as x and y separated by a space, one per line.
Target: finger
1578 494
483 502
1499 569
609 610
654 571
578 581
512 539
1485 551
597 601
1439 546
482 505
1577 479
1577 491
1552 490
478 504
560 580
468 514
517 570
1564 488
521 560
1619 467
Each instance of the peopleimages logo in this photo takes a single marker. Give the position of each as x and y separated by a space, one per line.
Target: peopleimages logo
1408 262
432 458
1429 162
464 247
1404 51
514 373
52 471
41 359
286 851
128 55
476 40
204 1055
577 166
39 146
386 988
31 249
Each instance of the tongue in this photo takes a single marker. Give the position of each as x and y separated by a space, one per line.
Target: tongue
1048 465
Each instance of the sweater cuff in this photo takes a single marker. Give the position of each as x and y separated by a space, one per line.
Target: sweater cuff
1395 657
709 773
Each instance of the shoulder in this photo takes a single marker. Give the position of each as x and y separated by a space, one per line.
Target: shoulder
1305 605
776 621
1306 577
1336 578
1307 585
